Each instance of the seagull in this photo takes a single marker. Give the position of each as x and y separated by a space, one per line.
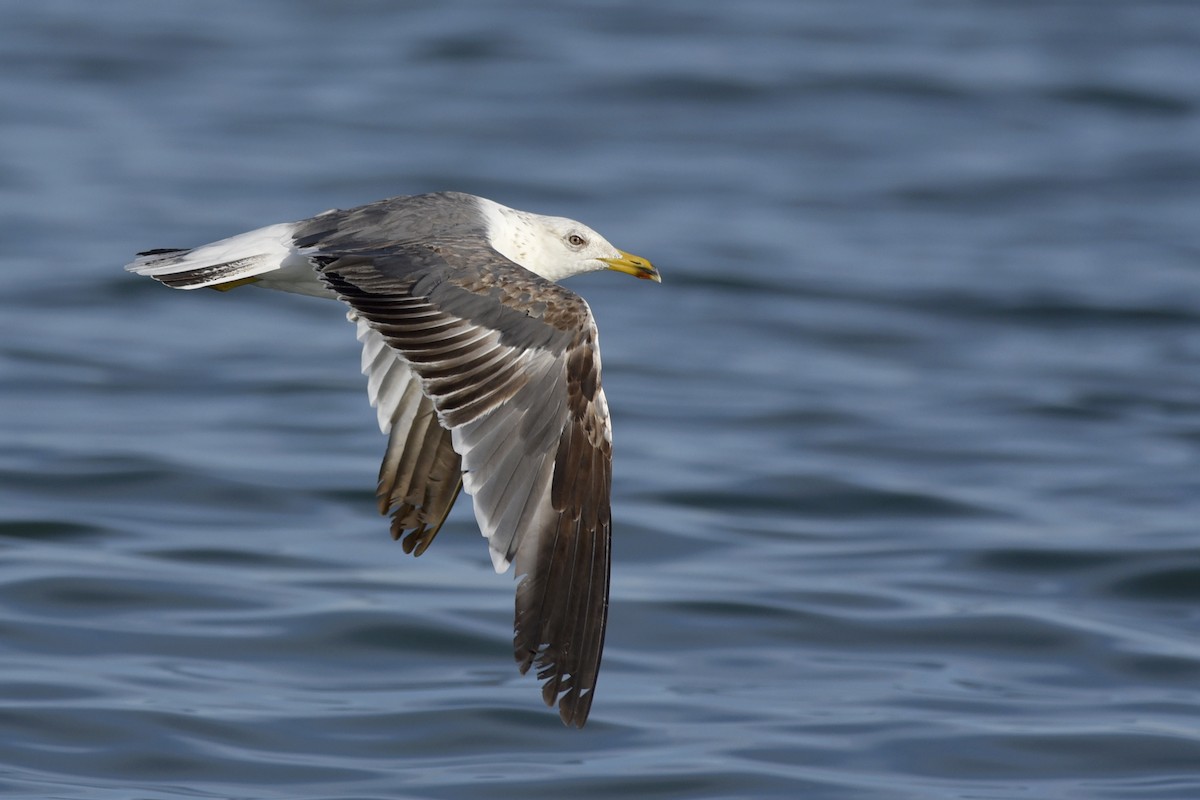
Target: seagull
485 375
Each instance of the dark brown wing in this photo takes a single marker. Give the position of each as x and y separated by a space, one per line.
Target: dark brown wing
421 474
511 365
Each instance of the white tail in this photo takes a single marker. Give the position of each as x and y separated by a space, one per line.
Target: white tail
231 260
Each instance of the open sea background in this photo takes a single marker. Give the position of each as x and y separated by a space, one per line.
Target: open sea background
907 481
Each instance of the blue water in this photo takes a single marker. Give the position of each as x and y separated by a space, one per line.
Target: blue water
907 476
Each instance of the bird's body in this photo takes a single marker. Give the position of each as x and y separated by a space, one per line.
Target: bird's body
486 376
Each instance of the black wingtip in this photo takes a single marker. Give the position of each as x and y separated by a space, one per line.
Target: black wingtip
574 707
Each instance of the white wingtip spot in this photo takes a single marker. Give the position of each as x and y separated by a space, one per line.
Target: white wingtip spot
499 561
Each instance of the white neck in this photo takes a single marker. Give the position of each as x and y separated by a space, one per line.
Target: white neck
519 236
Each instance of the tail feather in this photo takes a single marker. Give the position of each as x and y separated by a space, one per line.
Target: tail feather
238 258
164 250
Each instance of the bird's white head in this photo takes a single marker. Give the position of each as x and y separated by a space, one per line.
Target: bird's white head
556 247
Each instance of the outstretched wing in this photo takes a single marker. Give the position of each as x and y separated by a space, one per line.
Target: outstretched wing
421 474
511 364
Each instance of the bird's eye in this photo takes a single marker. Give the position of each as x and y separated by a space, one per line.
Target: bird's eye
575 240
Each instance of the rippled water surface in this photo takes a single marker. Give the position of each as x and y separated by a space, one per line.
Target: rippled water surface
908 441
